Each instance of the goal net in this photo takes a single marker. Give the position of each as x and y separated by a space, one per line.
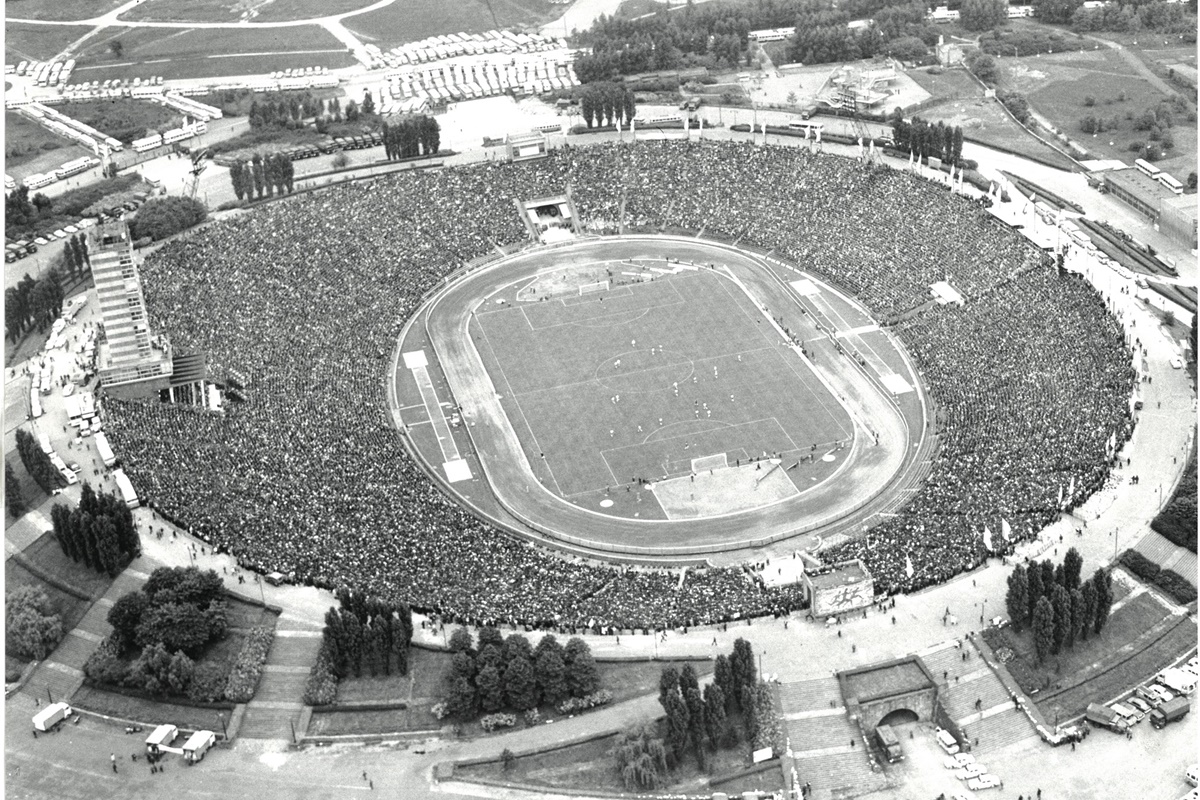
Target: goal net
598 286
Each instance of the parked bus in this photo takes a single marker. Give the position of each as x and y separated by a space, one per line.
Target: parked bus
1146 168
1171 182
802 126
105 450
126 486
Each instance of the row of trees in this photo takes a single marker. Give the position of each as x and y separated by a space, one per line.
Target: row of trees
33 305
163 217
99 531
1061 608
368 632
411 136
983 15
606 103
21 211
261 175
37 463
927 139
75 256
1156 17
506 672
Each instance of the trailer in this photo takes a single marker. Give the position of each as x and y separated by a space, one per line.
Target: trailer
161 737
197 745
105 450
51 716
126 486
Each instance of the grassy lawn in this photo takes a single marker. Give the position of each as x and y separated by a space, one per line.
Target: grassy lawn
232 10
174 53
411 20
25 140
153 712
59 10
37 42
590 766
124 118
1058 85
366 723
961 102
245 615
1124 627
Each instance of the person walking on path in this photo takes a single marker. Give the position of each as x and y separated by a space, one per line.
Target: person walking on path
113 760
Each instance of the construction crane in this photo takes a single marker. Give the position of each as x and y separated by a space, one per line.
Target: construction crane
199 164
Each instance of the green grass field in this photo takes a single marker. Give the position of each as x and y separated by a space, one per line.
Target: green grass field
719 383
1057 87
411 20
124 119
232 10
38 42
960 101
192 53
59 10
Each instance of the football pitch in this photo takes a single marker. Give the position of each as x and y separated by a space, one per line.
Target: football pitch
680 381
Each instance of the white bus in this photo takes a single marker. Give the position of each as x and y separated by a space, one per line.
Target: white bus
126 487
105 450
805 125
1171 182
35 403
87 405
1146 168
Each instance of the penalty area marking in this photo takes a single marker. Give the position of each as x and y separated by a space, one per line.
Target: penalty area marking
457 470
455 467
804 287
895 384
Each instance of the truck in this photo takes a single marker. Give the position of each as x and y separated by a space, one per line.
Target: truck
1105 717
1169 712
51 716
197 745
890 743
161 737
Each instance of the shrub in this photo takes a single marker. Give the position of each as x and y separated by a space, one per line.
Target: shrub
321 688
104 665
1089 101
208 682
1177 521
440 710
1177 586
166 216
532 717
243 678
573 705
493 721
1139 565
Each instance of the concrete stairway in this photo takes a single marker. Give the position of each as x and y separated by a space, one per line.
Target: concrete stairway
274 713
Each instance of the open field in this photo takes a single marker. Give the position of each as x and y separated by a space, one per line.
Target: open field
34 148
59 10
153 712
411 20
580 385
123 119
38 42
982 119
1058 85
234 10
208 52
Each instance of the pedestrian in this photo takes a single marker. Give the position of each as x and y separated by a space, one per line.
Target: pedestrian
1039 797
113 759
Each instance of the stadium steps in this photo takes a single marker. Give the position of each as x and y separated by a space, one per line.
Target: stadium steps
810 695
279 698
839 775
60 680
1168 555
999 731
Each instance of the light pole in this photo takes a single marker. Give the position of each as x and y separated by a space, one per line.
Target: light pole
224 730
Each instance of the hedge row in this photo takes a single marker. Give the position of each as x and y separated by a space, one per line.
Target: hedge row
243 678
1139 565
1177 522
1177 586
321 688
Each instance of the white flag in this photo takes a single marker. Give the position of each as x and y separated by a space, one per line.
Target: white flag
701 121
618 125
818 133
687 124
908 567
987 538
872 147
910 159
633 126
1060 495
1005 530
1071 489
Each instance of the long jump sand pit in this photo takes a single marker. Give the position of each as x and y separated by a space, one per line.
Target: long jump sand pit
726 490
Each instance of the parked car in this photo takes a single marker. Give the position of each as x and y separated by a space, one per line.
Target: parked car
1163 694
1140 704
958 760
970 771
987 781
1145 693
1130 714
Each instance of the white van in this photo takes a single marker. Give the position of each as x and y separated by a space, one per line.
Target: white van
946 741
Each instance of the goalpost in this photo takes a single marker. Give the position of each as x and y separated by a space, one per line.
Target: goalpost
588 288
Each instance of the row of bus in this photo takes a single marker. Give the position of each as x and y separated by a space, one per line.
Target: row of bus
47 73
64 125
193 108
39 179
323 146
172 136
1170 182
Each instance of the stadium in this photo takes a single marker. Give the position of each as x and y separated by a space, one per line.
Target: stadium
362 314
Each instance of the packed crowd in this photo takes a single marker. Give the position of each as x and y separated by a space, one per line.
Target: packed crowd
306 298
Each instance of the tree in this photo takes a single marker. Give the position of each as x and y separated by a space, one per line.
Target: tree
1017 599
151 671
1048 583
179 673
1060 600
166 216
460 642
125 616
697 724
13 500
582 676
678 724
551 676
714 714
32 629
742 665
668 681
462 701
1078 616
520 684
723 678
1072 568
117 48
1102 583
491 691
1043 628
1035 592
368 103
490 635
1191 180
1088 618
178 626
983 66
